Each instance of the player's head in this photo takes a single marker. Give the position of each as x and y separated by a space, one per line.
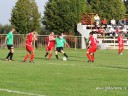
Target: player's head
91 33
59 35
120 34
13 29
52 33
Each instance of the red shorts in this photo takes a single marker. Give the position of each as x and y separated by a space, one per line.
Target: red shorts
29 48
92 50
48 48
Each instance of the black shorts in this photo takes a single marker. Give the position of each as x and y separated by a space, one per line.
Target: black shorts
58 49
10 47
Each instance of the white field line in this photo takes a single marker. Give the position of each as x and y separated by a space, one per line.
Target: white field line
18 92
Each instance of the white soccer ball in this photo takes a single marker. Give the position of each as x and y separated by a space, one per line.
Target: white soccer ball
64 58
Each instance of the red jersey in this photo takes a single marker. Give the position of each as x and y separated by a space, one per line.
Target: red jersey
51 43
29 39
120 40
93 41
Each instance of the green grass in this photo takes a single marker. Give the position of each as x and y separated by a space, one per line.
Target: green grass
75 77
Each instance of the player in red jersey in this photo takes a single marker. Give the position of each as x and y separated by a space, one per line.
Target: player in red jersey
29 47
92 48
121 44
50 45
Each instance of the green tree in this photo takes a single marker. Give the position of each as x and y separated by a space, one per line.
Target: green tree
108 8
25 16
126 5
63 15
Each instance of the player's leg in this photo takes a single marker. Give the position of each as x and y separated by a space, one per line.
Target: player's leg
12 52
47 49
56 52
9 54
64 53
32 55
88 54
27 56
50 53
119 50
92 57
92 54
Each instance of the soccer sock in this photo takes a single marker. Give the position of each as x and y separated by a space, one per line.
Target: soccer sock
26 57
8 55
46 54
32 57
65 55
89 56
11 56
49 57
119 51
122 50
57 57
92 57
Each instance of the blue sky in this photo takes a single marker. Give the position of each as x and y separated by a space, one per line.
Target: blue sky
7 5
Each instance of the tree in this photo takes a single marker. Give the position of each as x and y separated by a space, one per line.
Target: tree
126 5
63 15
108 8
25 16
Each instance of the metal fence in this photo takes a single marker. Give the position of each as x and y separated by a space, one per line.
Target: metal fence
19 41
73 41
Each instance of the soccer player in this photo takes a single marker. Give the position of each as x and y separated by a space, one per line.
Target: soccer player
30 39
50 45
121 44
9 43
91 48
60 42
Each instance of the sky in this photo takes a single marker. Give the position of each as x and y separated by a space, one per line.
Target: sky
7 5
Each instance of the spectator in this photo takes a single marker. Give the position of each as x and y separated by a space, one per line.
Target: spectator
120 23
125 21
113 23
104 22
97 19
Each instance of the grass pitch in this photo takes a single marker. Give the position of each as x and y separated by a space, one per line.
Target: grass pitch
107 76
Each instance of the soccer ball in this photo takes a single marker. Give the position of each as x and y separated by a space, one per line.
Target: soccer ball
64 58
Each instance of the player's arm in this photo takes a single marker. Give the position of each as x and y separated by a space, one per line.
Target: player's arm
5 40
67 44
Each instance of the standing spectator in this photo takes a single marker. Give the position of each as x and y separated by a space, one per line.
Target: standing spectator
104 22
120 23
113 22
125 21
9 43
97 19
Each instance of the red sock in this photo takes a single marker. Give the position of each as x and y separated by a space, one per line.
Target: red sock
26 57
119 51
92 57
49 57
122 50
89 56
32 57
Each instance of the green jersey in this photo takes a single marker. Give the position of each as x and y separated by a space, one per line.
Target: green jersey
60 42
9 39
